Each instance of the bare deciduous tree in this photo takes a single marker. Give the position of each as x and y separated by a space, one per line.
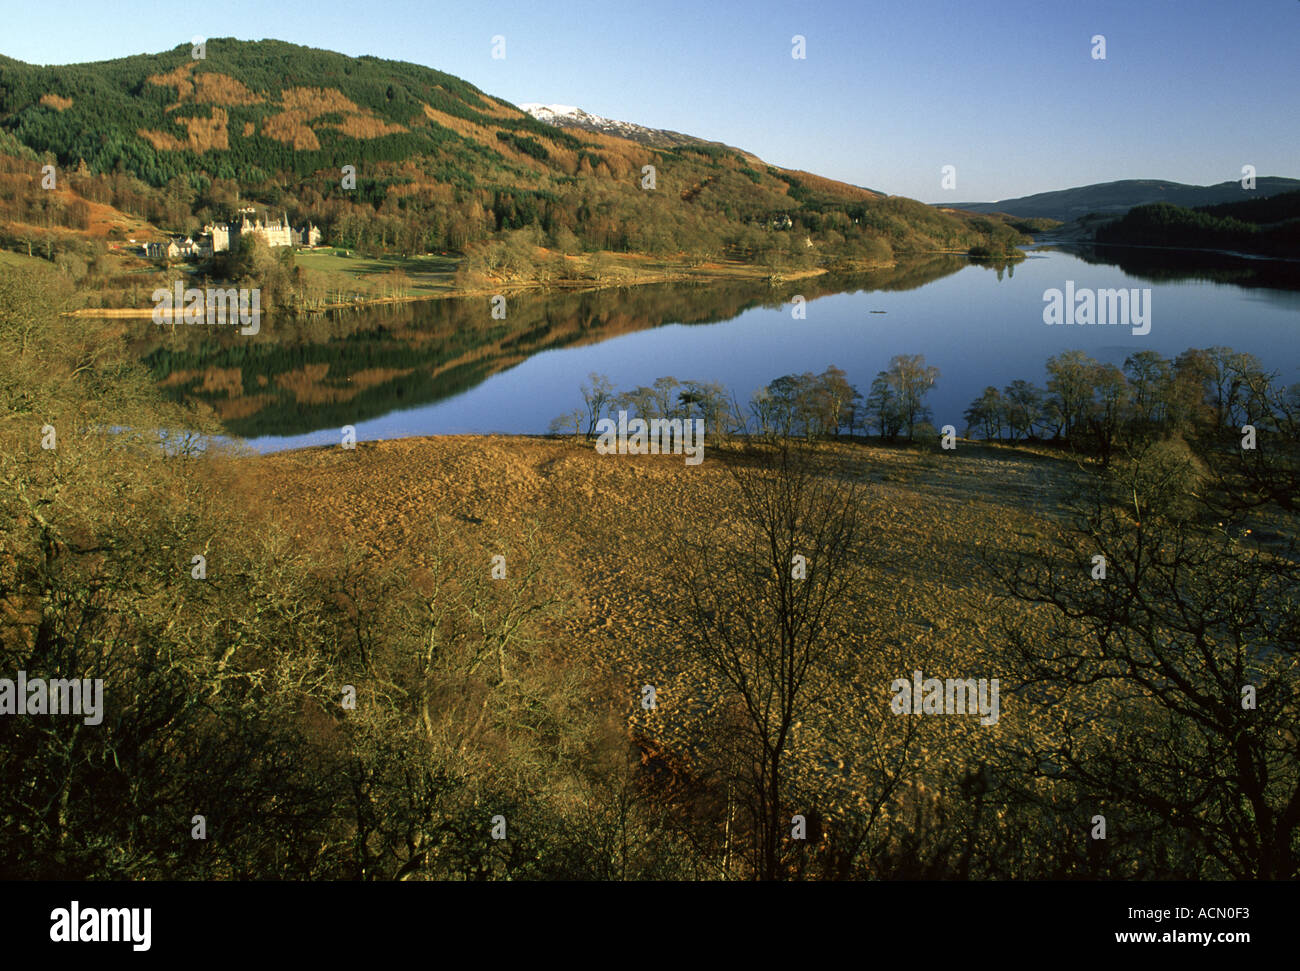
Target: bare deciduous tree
765 602
1169 688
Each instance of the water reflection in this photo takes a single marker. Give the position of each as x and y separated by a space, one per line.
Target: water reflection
446 367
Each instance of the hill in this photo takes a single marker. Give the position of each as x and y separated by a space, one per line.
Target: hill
439 165
1116 198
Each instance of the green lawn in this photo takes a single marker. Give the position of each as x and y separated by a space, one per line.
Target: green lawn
427 273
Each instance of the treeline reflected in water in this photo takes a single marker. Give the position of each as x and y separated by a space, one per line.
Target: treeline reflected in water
1172 266
300 375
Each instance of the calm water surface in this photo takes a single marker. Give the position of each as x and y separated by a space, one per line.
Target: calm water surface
444 367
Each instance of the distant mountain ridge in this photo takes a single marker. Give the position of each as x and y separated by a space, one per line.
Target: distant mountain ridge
1117 198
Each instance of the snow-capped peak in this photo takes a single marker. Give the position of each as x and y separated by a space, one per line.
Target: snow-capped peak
545 112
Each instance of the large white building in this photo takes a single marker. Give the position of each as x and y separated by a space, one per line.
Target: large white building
226 236
223 237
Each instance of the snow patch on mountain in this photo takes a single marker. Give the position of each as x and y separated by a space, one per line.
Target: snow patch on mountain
571 116
546 112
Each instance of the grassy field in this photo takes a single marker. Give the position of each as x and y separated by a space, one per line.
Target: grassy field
15 261
929 606
428 274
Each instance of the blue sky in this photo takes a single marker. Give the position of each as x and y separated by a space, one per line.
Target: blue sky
1007 92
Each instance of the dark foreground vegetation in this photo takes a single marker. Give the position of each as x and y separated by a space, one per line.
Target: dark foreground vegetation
316 714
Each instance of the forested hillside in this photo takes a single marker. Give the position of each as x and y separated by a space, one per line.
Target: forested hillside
439 164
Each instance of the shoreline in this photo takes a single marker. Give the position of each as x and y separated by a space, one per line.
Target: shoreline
739 272
706 273
1236 254
1035 448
